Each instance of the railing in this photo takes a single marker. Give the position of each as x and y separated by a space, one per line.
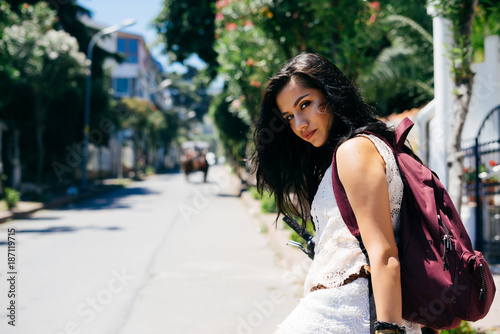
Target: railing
482 184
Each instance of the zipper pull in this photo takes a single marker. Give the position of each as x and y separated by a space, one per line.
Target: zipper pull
445 250
483 288
444 260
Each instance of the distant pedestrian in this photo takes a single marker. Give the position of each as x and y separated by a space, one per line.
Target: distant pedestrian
309 107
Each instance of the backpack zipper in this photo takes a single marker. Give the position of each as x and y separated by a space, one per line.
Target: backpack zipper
447 244
483 288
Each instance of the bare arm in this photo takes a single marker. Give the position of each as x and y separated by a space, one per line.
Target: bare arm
362 173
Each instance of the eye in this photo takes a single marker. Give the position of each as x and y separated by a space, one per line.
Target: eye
288 117
304 105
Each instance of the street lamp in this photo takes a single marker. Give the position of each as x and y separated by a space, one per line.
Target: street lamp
90 49
162 85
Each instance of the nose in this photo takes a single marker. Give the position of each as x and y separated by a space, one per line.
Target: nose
301 122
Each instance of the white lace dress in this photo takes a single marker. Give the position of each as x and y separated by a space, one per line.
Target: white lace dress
340 309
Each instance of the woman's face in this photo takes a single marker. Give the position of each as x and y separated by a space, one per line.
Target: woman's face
307 111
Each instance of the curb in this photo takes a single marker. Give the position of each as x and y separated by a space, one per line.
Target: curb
278 236
58 202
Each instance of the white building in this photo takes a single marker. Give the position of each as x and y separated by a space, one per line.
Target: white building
139 75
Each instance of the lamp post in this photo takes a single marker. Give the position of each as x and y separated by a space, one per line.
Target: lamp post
90 49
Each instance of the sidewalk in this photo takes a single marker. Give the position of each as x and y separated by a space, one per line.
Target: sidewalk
24 209
289 256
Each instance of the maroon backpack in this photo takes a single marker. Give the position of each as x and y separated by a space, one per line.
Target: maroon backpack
443 280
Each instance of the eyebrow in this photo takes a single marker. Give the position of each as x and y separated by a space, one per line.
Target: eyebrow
297 101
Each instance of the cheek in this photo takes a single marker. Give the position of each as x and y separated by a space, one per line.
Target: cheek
328 120
294 129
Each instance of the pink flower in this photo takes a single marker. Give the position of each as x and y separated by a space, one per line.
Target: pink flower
236 104
295 15
231 26
248 24
219 17
250 62
26 5
222 3
255 83
373 18
375 5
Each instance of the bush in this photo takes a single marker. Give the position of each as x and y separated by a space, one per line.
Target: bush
11 197
268 204
253 191
464 328
150 170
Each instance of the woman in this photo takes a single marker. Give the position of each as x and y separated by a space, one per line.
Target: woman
309 107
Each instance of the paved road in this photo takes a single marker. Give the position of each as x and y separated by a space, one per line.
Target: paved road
161 256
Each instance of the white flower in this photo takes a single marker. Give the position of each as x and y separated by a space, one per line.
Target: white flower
53 55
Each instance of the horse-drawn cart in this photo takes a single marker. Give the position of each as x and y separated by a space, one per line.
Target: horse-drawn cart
193 158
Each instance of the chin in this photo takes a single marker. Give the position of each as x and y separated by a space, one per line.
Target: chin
317 145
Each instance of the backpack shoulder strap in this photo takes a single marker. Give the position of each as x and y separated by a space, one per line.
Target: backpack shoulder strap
402 132
340 195
342 201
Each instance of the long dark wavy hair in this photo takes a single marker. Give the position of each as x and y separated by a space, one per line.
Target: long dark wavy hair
286 165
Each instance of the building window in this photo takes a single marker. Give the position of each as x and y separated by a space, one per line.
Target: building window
121 45
128 46
122 86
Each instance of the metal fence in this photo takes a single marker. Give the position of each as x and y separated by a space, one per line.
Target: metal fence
482 186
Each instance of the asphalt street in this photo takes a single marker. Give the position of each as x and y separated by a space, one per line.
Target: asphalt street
160 256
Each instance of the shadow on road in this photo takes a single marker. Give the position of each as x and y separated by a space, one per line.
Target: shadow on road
109 201
63 229
32 219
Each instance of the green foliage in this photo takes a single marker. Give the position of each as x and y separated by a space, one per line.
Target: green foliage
268 205
36 44
232 128
151 129
254 38
461 13
150 170
36 59
464 328
486 23
402 74
12 197
254 192
385 47
187 27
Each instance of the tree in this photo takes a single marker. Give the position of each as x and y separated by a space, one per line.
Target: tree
461 13
41 58
402 75
65 111
187 27
146 122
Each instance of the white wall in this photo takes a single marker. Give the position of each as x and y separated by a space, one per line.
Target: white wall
486 90
443 98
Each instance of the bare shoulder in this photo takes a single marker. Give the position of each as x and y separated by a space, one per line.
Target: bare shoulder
358 152
358 157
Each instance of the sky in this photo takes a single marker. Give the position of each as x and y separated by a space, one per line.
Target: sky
111 12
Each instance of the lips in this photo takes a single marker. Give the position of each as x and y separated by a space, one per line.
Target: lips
309 134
